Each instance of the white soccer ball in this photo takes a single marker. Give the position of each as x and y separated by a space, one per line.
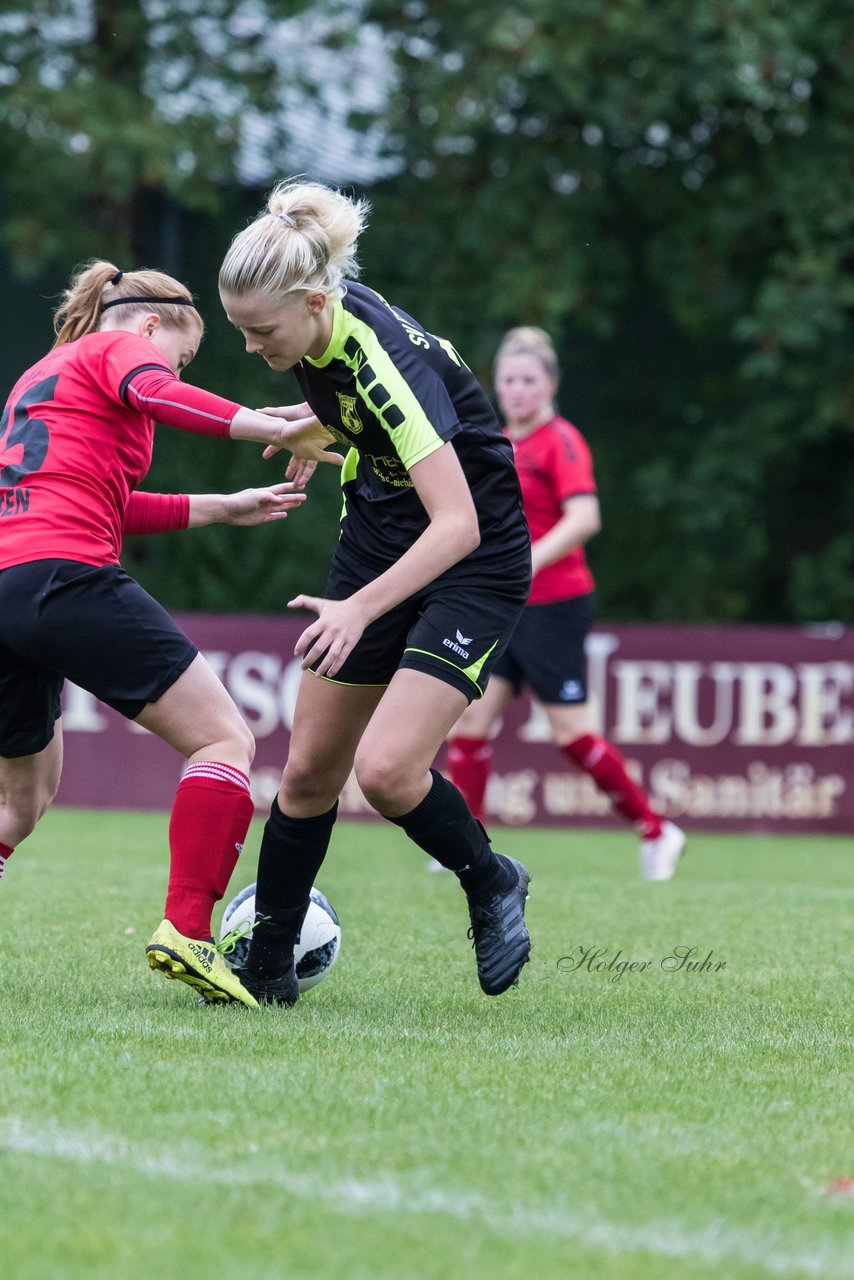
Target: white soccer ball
318 944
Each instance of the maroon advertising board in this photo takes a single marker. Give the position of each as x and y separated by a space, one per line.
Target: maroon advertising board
728 728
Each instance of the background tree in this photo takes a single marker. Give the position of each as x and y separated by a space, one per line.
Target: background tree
667 188
130 130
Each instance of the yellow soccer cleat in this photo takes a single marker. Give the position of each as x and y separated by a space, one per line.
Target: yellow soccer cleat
199 964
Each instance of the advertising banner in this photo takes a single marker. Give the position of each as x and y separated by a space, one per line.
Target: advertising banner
728 728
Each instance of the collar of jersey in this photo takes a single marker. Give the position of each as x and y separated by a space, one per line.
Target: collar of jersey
335 339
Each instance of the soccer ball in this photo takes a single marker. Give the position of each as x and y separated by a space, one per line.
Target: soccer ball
318 944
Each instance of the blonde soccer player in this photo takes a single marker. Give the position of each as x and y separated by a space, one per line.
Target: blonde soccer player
430 575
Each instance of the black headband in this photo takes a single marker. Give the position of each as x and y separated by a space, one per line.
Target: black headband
120 302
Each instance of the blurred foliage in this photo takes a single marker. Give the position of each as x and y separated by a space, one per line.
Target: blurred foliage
667 188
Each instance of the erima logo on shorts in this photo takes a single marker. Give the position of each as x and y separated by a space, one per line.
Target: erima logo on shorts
457 646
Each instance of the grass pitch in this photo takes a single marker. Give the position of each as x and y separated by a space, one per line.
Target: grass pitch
600 1121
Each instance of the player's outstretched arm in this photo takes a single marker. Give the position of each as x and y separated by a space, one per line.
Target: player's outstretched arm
158 392
148 513
248 507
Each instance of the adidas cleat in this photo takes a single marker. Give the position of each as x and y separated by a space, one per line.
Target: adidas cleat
502 944
199 964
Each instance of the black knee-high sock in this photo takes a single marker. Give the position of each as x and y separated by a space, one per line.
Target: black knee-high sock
443 826
291 854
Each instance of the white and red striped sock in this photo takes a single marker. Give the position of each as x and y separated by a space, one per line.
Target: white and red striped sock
5 854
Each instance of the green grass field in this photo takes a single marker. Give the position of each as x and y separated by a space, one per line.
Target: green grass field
399 1125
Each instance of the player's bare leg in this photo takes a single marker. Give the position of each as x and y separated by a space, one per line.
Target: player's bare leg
28 785
329 720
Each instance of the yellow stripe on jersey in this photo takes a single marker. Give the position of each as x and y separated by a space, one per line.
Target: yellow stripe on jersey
381 386
351 463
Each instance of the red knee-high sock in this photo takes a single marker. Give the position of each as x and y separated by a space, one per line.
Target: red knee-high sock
5 855
607 768
469 764
210 818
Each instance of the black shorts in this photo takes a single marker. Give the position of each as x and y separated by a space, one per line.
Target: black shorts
455 628
93 625
546 651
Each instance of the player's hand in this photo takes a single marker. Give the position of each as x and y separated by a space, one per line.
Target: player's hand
257 506
290 412
333 636
303 436
300 471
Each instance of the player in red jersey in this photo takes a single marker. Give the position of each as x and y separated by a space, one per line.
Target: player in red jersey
76 439
546 651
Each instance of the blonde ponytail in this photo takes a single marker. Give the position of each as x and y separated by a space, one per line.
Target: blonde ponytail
304 239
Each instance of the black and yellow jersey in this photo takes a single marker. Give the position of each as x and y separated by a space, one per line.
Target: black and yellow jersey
394 394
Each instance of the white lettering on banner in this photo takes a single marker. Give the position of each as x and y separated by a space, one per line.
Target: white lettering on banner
768 715
792 792
81 711
822 719
686 698
253 679
756 704
511 796
265 692
653 702
641 687
574 794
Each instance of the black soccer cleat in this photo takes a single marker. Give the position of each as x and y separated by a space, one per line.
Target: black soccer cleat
502 944
281 990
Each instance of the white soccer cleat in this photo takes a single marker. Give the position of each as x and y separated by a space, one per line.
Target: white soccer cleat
659 857
433 865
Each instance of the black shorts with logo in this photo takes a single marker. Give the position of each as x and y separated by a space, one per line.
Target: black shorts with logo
455 628
91 624
546 651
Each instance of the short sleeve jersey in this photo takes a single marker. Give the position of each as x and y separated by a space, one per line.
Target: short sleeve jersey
394 394
72 450
555 464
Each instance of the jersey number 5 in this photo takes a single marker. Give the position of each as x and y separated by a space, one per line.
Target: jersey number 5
32 433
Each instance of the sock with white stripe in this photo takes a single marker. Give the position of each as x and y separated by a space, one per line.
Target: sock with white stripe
5 854
210 818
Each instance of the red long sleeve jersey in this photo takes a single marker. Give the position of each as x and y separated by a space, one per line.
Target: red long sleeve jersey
76 438
554 464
